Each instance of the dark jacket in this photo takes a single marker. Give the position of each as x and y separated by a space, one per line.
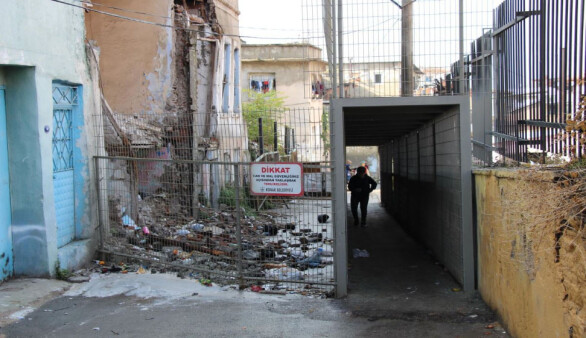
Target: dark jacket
361 186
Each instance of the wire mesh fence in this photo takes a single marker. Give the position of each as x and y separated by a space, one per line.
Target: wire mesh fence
521 61
172 200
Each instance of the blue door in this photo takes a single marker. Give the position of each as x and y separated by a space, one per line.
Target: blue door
5 213
64 102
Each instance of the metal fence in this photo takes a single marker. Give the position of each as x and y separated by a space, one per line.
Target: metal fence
172 201
539 77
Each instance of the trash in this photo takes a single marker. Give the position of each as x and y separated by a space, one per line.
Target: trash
357 253
284 274
182 232
456 289
78 279
472 316
314 260
145 230
255 288
127 221
96 329
270 230
141 270
322 218
197 226
250 255
114 268
297 254
205 282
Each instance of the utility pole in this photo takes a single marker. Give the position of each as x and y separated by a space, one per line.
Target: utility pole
407 73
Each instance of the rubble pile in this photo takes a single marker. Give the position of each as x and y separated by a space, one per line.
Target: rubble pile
276 247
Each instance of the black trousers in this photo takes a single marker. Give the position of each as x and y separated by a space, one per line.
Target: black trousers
354 201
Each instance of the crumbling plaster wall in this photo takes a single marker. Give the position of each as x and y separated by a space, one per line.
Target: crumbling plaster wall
518 275
136 58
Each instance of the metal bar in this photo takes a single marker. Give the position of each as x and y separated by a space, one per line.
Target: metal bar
260 137
275 139
339 193
520 16
238 218
341 48
99 197
542 74
462 77
485 146
335 50
543 124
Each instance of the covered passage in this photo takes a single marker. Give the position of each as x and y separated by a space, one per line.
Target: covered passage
425 173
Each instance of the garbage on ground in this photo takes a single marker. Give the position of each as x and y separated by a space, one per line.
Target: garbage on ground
277 245
205 282
357 253
284 274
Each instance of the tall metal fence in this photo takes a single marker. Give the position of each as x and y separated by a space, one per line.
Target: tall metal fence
539 78
174 201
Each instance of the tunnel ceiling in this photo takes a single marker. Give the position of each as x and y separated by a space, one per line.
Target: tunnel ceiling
374 126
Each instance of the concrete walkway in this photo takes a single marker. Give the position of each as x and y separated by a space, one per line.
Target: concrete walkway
399 291
401 280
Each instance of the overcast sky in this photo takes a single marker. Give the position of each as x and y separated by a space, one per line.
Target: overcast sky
275 19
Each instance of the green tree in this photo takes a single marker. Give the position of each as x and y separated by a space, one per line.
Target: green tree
266 106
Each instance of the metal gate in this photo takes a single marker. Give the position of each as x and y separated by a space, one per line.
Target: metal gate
198 218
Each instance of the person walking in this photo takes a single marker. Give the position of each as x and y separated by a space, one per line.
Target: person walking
360 185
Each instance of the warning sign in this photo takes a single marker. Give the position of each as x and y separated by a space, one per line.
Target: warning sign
276 179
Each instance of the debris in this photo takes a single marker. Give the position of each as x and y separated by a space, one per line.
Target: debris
322 218
255 288
456 289
205 282
78 279
357 253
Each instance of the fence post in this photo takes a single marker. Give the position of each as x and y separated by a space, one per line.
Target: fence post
238 225
275 139
100 224
260 137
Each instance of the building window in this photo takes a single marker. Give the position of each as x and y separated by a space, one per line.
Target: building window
226 80
237 80
378 78
262 83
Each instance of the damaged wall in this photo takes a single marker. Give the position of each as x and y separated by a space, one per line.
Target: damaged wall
532 273
135 58
170 90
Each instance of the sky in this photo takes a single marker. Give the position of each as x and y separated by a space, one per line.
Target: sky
372 27
273 19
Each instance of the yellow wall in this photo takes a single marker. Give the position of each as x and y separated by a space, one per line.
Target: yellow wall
517 269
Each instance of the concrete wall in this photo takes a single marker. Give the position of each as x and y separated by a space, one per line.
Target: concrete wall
42 43
533 280
421 185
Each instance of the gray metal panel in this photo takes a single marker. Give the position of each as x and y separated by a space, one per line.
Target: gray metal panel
339 194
